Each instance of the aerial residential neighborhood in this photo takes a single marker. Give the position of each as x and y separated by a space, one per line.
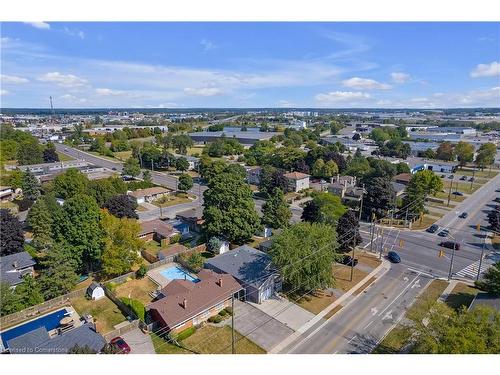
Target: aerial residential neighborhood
331 198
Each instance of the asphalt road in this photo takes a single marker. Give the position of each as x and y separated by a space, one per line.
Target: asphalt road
364 321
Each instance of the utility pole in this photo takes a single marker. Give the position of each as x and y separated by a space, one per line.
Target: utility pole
449 193
381 243
372 234
233 349
392 214
406 217
353 248
481 259
451 262
361 205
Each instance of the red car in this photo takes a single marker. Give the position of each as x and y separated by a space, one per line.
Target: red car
120 344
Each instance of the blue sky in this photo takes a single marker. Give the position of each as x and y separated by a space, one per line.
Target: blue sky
175 65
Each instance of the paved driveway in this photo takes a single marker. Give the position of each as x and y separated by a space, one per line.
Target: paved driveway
139 342
284 311
259 327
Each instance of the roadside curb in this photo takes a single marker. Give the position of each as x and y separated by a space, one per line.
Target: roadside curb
378 272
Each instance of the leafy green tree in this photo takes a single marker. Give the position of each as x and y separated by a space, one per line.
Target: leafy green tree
485 155
303 254
185 182
214 244
181 143
211 168
358 167
379 135
30 152
122 205
41 222
324 208
181 164
287 157
30 186
101 190
491 280
121 245
429 154
131 167
16 179
77 349
70 183
445 151
318 167
29 292
276 211
50 154
272 178
348 231
59 274
80 226
443 330
12 238
229 209
465 153
10 301
195 261
380 197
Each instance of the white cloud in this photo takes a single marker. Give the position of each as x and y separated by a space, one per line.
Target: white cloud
203 91
3 92
76 33
73 99
63 80
400 77
39 25
110 92
12 79
207 45
341 97
486 70
364 84
285 104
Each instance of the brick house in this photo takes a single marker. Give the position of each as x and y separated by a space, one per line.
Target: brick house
186 304
149 194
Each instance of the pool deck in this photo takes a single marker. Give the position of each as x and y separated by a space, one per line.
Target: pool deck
158 278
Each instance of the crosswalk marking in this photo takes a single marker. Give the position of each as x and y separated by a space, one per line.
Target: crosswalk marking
470 271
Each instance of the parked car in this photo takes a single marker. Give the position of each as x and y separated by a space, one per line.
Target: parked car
497 200
433 228
463 215
443 176
444 233
472 179
497 190
463 178
458 193
114 169
394 257
450 245
121 345
451 176
348 261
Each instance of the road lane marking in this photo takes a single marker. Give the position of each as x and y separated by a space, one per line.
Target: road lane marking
400 294
421 272
388 315
374 311
352 338
369 324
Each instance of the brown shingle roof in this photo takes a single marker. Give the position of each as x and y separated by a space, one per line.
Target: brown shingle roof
148 192
402 177
199 296
296 175
157 226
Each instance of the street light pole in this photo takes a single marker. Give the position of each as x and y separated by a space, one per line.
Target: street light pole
451 261
233 349
353 248
381 243
372 234
449 193
472 180
481 259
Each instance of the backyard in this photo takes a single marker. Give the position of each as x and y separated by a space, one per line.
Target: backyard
137 289
105 313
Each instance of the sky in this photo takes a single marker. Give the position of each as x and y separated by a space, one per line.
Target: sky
245 65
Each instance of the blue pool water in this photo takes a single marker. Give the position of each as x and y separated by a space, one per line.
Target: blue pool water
176 273
49 321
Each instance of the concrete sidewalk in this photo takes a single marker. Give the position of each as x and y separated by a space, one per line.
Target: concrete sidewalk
377 272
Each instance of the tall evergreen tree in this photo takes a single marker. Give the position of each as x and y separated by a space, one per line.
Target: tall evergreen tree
59 273
29 292
30 186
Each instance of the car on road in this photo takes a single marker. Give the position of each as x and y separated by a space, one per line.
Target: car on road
394 257
443 176
348 261
472 179
451 176
463 178
497 200
458 193
444 233
113 169
450 245
497 191
120 344
65 149
463 215
433 228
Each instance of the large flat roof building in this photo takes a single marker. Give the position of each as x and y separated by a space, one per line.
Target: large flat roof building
244 137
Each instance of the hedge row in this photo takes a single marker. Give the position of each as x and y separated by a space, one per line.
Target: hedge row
136 306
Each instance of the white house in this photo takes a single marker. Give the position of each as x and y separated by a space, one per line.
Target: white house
149 194
297 181
95 291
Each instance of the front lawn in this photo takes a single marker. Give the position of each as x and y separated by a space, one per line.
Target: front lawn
461 296
106 314
164 347
64 157
171 200
137 289
123 155
315 302
217 340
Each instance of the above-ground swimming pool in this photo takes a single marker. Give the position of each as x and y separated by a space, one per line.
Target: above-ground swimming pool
177 273
49 321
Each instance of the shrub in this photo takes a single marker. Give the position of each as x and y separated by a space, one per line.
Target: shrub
215 319
136 306
229 310
223 313
175 238
141 272
111 286
186 333
195 261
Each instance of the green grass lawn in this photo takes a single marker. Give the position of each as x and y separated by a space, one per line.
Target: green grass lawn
137 289
453 198
164 347
12 207
64 157
123 155
484 174
463 187
106 314
171 200
461 296
399 335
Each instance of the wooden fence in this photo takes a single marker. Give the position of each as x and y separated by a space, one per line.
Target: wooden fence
122 330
